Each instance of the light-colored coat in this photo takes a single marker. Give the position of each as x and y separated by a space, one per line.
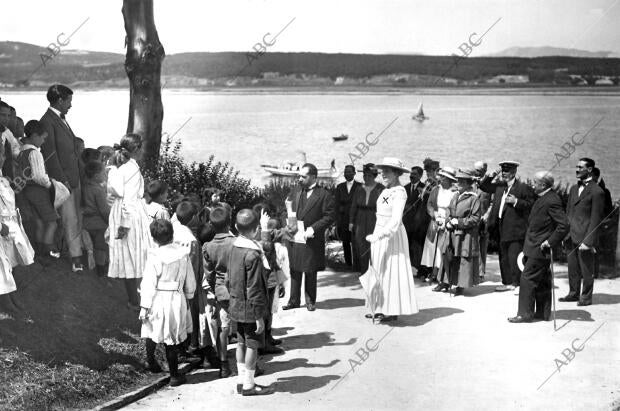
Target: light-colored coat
167 283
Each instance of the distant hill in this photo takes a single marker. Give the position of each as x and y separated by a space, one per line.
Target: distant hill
21 65
546 51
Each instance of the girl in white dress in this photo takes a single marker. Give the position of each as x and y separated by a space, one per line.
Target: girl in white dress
15 248
390 249
129 235
167 284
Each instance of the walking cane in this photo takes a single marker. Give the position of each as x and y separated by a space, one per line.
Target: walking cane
553 288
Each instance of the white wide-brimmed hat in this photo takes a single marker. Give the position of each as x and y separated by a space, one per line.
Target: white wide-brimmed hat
393 162
447 172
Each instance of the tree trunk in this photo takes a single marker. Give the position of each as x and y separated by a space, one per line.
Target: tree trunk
143 66
617 268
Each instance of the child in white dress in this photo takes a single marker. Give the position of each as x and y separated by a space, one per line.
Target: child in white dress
158 194
168 282
129 236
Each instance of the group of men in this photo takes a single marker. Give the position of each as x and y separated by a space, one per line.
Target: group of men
527 220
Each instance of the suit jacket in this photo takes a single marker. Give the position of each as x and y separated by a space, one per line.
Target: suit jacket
343 202
415 217
319 213
547 221
513 222
585 213
60 150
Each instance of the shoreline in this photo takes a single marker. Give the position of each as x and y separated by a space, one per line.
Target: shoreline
601 91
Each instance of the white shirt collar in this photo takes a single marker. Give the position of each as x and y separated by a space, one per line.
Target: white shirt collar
312 187
511 182
58 113
544 192
29 146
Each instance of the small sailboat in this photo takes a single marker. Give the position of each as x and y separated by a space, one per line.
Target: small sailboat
341 137
419 116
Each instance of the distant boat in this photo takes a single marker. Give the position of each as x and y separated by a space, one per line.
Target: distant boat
341 137
419 116
292 170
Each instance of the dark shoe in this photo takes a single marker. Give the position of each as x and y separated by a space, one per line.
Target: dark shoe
310 307
369 316
274 341
153 367
270 349
225 371
257 390
379 316
177 380
584 303
389 318
289 306
458 291
440 287
519 319
568 299
212 357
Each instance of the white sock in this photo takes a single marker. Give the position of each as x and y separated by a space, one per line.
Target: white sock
241 372
248 382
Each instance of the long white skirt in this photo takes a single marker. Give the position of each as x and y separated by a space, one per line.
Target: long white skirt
390 258
169 319
7 282
128 255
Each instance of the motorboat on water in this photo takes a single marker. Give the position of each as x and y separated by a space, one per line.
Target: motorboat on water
290 169
341 137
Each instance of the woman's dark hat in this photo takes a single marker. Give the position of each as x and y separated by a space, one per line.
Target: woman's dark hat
369 168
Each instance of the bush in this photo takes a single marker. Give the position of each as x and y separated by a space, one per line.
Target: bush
192 179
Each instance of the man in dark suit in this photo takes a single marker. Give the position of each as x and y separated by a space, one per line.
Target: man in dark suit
585 213
547 226
344 198
314 206
511 206
415 217
60 151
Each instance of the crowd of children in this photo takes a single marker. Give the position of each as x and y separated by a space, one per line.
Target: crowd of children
195 277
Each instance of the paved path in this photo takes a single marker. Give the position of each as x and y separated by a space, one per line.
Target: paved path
457 353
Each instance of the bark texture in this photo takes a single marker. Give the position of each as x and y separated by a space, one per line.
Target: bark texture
143 66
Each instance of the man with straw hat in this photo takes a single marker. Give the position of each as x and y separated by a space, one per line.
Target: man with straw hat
511 206
547 226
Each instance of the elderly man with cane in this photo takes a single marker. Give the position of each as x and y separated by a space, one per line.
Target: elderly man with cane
547 226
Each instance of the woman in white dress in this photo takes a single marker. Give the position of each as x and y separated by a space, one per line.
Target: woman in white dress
129 234
389 247
435 242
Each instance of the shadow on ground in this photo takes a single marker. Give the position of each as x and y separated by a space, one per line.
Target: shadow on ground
339 279
295 363
76 318
301 384
605 298
333 303
573 315
313 341
424 316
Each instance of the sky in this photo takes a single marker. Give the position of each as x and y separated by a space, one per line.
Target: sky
436 27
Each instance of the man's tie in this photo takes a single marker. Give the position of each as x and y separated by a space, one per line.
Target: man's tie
302 199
